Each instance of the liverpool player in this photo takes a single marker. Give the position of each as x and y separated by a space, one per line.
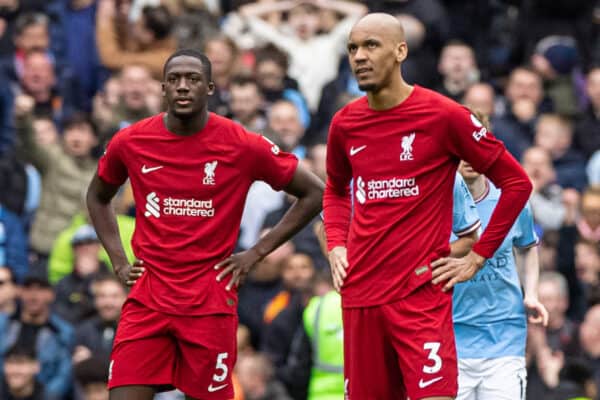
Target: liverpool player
190 171
402 144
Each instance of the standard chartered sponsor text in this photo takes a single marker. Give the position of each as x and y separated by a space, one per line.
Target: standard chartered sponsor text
188 207
392 188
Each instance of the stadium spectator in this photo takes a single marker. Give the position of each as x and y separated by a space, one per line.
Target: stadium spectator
66 168
224 56
256 376
91 377
587 132
19 375
74 293
36 327
246 103
458 68
285 127
128 103
94 336
312 73
523 102
554 134
151 38
8 292
270 69
547 199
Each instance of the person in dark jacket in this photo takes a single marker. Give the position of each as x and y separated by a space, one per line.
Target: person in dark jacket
74 298
20 369
95 335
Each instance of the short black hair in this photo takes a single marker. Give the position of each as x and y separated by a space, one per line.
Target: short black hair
26 20
192 53
243 80
158 19
19 350
272 53
91 370
79 118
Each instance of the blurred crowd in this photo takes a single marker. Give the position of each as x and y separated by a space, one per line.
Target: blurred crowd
74 72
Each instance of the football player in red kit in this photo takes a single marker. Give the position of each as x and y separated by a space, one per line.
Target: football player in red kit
190 171
401 145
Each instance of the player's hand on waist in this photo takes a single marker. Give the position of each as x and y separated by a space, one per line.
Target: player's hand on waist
338 260
455 270
238 265
536 311
129 274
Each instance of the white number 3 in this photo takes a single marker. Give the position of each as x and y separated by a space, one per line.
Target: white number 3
433 348
221 367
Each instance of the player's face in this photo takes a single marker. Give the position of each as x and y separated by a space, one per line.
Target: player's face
374 58
467 172
186 87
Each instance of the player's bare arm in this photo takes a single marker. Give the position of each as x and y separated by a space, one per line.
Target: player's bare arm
99 196
308 190
527 261
464 243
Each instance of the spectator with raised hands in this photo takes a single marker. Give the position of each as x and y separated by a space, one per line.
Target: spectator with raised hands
314 58
152 41
66 168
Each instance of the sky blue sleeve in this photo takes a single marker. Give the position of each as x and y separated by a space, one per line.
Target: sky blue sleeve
526 236
464 211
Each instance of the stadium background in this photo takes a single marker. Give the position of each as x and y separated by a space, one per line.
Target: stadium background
73 72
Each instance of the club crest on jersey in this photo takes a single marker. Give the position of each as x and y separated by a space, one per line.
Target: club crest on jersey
209 173
407 142
481 130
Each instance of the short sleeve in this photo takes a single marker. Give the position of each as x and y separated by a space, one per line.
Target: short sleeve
465 218
111 166
469 140
271 164
526 236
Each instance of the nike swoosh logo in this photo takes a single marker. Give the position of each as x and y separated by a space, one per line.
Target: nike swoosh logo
145 169
424 384
212 388
353 150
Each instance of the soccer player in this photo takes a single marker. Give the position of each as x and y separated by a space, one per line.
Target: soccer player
190 171
401 145
489 310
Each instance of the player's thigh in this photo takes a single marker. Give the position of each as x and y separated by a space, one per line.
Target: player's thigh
207 353
421 329
506 379
143 351
468 379
370 363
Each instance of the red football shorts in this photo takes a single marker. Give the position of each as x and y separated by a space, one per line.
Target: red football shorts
195 354
404 349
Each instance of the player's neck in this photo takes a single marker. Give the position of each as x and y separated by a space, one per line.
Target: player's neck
478 187
389 96
186 126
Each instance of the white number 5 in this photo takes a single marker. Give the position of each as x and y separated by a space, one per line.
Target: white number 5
433 348
221 367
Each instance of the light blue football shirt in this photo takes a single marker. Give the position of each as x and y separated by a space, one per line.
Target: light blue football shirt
488 311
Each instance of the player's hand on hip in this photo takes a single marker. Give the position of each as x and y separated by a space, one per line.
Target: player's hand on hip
238 265
455 270
338 261
129 274
536 310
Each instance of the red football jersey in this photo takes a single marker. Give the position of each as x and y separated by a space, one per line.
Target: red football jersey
189 193
402 162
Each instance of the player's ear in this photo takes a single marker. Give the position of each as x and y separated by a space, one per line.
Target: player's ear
211 87
401 51
162 89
